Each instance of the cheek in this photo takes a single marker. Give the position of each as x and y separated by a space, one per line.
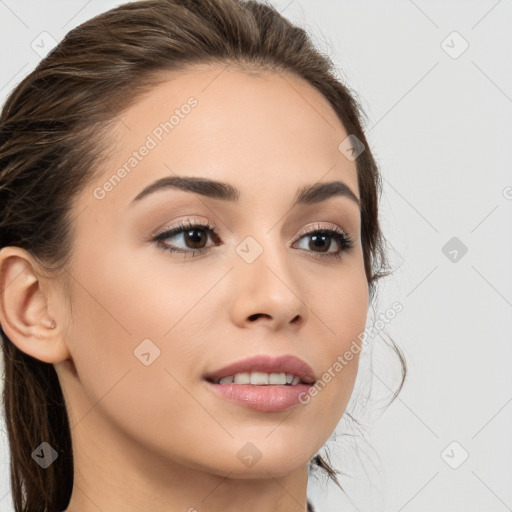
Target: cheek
125 318
341 315
135 327
116 387
340 309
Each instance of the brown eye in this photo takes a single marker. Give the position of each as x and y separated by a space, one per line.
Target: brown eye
321 240
194 237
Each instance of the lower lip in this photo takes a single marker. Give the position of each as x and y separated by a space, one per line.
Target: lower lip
272 398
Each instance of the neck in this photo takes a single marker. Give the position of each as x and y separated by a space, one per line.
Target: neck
130 477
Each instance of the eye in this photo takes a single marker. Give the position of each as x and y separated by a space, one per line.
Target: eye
322 238
195 236
191 233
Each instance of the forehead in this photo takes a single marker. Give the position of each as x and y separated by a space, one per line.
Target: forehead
259 132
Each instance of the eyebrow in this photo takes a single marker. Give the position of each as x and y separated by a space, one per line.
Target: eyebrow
307 195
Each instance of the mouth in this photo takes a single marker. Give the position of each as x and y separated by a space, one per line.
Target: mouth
263 382
264 370
261 379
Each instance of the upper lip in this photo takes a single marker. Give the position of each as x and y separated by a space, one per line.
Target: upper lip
267 364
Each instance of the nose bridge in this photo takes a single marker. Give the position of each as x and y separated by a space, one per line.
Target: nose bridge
261 251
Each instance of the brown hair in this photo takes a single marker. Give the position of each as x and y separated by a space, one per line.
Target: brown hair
54 134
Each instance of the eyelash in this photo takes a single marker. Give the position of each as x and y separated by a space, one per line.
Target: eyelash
342 238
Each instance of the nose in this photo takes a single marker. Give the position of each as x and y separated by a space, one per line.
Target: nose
268 291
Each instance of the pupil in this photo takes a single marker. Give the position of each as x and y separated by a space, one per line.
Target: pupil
195 239
315 239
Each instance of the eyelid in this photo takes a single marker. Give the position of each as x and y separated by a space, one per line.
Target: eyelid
318 226
207 225
179 225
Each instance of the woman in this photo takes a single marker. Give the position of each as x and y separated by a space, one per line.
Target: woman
190 244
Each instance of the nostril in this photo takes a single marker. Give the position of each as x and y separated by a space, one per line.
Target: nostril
256 315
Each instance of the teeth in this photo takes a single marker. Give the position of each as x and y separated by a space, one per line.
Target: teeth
242 378
258 378
261 379
276 378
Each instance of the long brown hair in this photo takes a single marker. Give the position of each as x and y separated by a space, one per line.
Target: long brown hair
54 133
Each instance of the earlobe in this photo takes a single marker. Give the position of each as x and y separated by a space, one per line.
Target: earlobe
24 313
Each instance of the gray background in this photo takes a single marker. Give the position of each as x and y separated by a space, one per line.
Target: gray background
439 124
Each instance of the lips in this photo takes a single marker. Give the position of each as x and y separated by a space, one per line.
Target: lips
267 364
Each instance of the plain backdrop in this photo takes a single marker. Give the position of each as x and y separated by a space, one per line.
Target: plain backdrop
435 80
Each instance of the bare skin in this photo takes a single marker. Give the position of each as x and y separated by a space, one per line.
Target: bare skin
154 438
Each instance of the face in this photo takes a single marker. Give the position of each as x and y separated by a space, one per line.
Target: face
145 324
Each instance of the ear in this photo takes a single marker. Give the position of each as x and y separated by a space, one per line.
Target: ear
24 313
